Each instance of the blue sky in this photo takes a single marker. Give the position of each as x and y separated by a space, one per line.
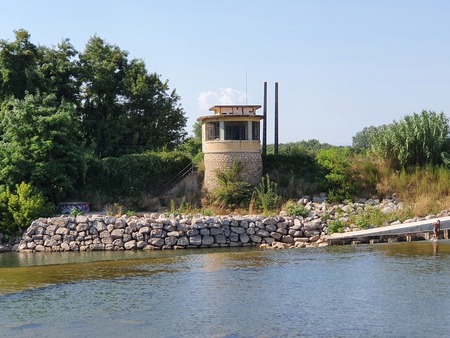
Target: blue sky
341 65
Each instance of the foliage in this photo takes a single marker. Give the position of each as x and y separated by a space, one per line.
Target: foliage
294 209
18 67
363 140
123 108
296 174
265 196
74 212
423 190
19 208
232 192
338 180
335 226
207 212
114 209
415 140
311 147
127 179
184 207
41 144
191 146
370 217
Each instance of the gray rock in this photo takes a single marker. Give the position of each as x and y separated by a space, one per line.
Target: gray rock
96 247
120 223
244 238
262 233
205 232
216 231
171 240
183 241
117 233
100 226
144 230
81 227
195 240
276 235
271 227
256 239
80 219
140 245
118 242
192 233
62 231
238 230
287 239
158 242
130 245
207 240
220 239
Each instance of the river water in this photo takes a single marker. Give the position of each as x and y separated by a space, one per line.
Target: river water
383 290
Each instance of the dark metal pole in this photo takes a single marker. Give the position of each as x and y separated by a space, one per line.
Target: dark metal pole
276 119
264 145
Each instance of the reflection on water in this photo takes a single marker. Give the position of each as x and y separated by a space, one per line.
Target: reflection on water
387 290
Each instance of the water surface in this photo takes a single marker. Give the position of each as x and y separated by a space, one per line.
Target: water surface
384 290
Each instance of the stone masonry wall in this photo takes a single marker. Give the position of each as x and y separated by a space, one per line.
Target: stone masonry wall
251 172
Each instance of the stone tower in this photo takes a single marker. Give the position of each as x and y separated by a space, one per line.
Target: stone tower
232 134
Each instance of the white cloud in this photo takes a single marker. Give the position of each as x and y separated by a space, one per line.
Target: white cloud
225 96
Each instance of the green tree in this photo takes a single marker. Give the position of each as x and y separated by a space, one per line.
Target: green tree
415 140
41 144
60 71
124 108
362 140
18 66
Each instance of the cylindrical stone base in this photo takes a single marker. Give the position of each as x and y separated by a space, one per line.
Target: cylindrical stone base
214 162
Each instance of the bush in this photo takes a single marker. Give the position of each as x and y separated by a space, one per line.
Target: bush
265 196
295 172
18 209
338 181
336 226
232 192
294 209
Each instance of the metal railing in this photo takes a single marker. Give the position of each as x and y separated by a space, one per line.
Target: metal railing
176 179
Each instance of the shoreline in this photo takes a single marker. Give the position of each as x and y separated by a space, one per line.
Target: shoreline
158 232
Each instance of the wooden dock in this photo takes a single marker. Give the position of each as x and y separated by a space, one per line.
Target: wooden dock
407 232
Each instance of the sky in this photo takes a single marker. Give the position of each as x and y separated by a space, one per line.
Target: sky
341 65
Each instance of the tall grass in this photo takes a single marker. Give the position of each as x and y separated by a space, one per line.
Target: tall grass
424 190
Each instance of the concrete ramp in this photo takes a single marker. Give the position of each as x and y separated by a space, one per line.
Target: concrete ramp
411 231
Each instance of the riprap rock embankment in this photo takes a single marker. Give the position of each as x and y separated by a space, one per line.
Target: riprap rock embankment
150 232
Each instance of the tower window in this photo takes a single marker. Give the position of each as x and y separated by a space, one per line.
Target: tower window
212 131
255 131
236 130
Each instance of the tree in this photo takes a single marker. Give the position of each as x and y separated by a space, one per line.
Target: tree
124 108
18 66
60 71
362 140
41 144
